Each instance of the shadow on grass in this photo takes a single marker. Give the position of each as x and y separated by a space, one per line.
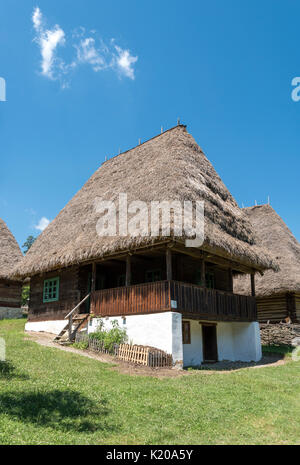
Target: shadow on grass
61 410
267 359
8 371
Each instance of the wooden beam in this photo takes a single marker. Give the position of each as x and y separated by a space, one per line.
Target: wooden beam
128 271
252 284
93 286
169 264
209 257
230 280
203 280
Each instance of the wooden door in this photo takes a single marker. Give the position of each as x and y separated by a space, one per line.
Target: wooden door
209 340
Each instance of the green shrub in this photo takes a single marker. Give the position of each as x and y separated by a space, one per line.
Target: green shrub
81 345
115 335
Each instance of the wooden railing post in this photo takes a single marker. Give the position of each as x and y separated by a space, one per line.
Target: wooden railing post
230 280
70 327
202 278
169 264
128 271
94 268
253 284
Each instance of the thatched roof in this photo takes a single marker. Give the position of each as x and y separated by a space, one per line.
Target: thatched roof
273 233
170 166
10 253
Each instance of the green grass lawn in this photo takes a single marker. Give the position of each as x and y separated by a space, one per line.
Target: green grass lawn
48 396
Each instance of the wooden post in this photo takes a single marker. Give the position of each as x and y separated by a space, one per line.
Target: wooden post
128 271
230 280
70 327
93 286
169 264
203 280
253 284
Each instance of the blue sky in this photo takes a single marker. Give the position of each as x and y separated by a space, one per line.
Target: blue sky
113 72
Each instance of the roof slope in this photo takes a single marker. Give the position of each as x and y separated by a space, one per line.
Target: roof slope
10 253
171 166
273 234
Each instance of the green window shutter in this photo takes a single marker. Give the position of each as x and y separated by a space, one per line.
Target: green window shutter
51 290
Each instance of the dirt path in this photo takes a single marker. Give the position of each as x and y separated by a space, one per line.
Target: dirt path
46 339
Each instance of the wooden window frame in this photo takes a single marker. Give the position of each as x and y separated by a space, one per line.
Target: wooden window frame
184 339
46 298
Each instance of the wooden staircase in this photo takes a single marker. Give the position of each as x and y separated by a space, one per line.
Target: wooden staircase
76 321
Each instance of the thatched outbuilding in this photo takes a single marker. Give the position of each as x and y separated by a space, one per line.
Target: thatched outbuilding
277 293
10 289
137 276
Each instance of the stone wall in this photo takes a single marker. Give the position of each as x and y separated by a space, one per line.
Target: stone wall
278 333
8 313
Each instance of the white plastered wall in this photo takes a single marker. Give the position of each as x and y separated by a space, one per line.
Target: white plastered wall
235 341
160 330
52 326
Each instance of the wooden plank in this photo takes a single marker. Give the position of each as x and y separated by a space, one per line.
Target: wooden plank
169 263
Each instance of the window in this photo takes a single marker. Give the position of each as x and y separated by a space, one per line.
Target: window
152 276
186 332
51 290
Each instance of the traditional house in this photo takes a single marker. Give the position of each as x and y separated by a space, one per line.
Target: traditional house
176 298
277 293
10 289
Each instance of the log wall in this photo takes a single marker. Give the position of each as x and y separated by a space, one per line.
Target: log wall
10 294
69 296
277 308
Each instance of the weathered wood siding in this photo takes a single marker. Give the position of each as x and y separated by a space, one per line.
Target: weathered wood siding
140 298
10 294
297 308
188 299
69 296
278 307
212 304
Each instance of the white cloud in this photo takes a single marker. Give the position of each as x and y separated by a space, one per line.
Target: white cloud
37 18
125 62
90 51
48 40
42 224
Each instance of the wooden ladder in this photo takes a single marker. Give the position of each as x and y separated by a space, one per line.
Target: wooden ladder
76 321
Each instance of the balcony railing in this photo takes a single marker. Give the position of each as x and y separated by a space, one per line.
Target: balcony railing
162 296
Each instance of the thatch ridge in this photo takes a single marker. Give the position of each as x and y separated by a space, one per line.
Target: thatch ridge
274 235
10 253
170 166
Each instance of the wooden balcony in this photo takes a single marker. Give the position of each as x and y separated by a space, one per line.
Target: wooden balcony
163 296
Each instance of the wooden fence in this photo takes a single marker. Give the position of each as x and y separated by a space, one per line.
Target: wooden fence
141 355
148 356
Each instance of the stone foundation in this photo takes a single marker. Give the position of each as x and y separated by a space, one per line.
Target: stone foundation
9 313
278 333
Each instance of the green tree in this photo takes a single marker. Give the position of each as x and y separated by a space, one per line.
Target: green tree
28 243
25 294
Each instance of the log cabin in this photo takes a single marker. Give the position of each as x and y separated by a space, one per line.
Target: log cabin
177 298
277 293
10 289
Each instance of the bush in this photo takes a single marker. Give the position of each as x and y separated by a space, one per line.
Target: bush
110 337
81 345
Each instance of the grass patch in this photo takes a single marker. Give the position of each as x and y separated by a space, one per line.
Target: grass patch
49 396
282 349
